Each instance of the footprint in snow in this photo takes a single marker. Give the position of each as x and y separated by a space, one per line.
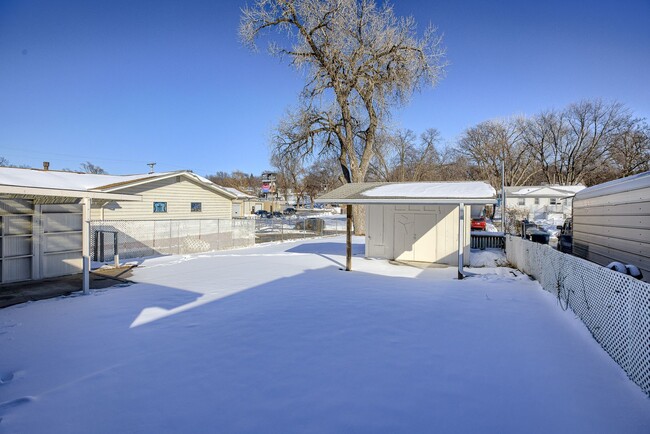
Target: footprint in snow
8 377
8 405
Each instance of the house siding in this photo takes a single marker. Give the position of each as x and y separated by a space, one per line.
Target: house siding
614 227
178 192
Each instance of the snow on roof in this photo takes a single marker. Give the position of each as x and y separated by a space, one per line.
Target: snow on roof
238 193
433 190
410 192
64 180
634 182
526 190
544 190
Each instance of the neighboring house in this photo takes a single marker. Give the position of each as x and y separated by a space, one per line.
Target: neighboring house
244 205
165 196
416 221
43 213
543 202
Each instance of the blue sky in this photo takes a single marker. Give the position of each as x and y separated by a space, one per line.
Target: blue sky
122 83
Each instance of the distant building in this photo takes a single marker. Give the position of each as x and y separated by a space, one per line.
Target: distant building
269 188
542 202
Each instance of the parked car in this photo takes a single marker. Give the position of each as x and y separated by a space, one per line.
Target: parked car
478 224
565 240
289 211
261 213
277 214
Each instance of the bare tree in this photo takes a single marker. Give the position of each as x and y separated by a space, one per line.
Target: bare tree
89 167
248 183
290 173
321 176
629 151
359 59
571 144
490 143
401 157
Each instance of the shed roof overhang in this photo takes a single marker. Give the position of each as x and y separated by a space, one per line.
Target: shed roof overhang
16 191
407 201
370 193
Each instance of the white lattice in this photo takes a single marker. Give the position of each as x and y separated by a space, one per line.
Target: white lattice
614 307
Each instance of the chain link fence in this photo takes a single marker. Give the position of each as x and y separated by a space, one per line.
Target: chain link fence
141 238
295 228
615 307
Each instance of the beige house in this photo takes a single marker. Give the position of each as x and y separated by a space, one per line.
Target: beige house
244 205
165 196
46 217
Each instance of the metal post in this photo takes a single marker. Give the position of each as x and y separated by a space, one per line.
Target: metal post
116 252
85 244
96 249
461 238
348 239
102 247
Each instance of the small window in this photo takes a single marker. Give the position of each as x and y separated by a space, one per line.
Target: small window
537 201
554 201
195 207
521 201
160 207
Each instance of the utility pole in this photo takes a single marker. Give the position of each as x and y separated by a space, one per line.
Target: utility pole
503 197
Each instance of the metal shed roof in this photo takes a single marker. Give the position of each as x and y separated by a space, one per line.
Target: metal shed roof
473 192
630 183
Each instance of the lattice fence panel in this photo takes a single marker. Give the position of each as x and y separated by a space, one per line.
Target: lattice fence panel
614 307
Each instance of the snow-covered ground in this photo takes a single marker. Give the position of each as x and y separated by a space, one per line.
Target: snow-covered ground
277 339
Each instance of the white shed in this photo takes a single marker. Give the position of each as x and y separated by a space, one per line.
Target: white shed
416 221
44 230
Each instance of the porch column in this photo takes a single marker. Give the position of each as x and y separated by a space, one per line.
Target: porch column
348 238
461 238
85 243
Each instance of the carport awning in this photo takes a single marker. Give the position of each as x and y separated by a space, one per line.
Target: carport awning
41 195
423 193
22 192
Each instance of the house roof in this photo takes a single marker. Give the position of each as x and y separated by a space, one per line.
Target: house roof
543 190
88 182
411 192
238 193
630 183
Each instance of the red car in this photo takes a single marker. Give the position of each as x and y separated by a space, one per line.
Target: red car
478 224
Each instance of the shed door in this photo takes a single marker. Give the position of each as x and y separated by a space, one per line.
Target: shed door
415 237
60 240
236 209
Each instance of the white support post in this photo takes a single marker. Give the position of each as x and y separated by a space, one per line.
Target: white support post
37 230
85 243
461 238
